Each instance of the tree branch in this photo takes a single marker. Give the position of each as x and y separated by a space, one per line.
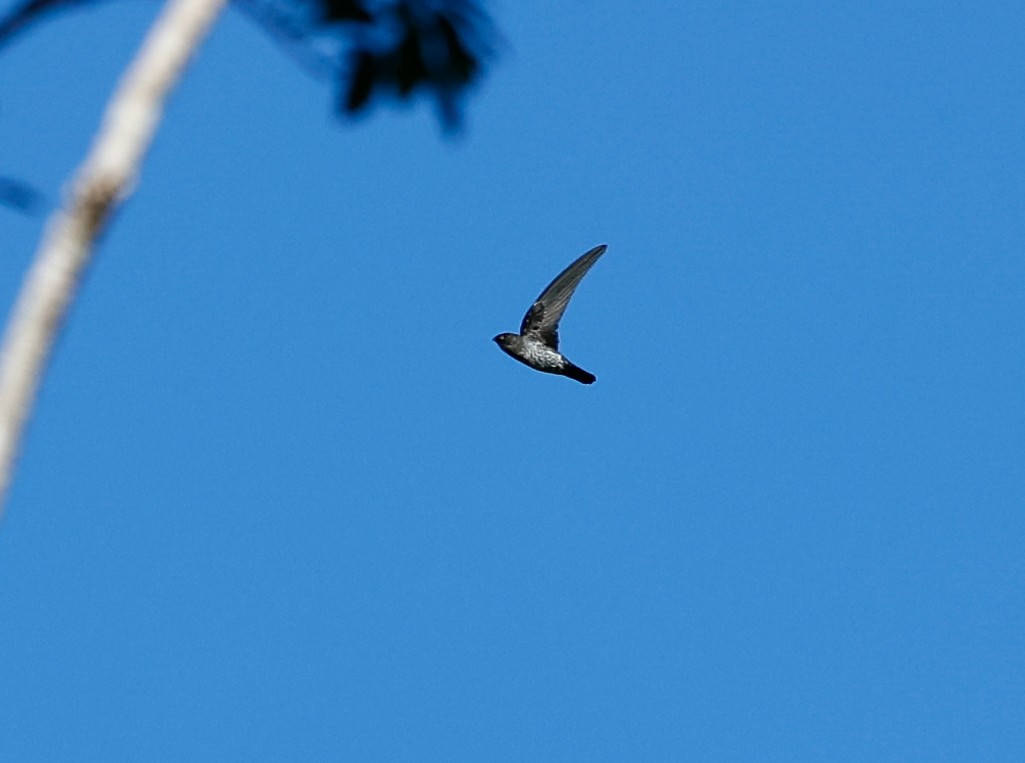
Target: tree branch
105 180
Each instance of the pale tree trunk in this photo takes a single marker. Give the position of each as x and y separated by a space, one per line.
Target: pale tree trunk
105 179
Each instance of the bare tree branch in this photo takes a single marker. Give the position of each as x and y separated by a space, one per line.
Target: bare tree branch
105 179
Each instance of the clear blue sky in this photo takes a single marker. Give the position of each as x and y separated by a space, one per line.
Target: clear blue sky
283 498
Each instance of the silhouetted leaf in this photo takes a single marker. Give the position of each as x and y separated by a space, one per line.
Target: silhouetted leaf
344 11
29 12
19 196
410 69
361 81
462 63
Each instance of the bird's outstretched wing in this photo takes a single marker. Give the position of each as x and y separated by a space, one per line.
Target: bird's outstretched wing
542 319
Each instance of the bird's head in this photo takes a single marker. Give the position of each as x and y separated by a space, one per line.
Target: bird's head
504 340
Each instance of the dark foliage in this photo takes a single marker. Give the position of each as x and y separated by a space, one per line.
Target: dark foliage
343 10
440 49
388 50
375 50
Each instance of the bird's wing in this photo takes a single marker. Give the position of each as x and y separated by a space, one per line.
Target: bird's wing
542 319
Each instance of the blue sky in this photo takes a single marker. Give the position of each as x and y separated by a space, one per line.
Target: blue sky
284 499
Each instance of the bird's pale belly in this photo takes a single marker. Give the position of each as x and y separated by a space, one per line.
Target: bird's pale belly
542 356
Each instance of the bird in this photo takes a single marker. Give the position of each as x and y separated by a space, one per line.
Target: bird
537 344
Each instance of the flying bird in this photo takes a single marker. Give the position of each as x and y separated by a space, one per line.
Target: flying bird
537 344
